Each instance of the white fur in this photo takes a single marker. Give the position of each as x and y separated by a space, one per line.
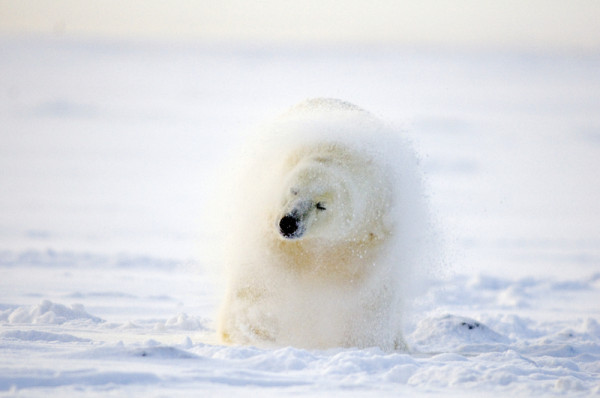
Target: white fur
342 281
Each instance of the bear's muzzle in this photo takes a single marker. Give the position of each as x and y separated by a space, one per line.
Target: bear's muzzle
291 225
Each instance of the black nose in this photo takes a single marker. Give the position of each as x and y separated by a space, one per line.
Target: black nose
289 226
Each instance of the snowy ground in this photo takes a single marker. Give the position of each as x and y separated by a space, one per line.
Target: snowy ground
108 274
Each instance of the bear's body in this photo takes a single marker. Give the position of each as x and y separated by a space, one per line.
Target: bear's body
315 261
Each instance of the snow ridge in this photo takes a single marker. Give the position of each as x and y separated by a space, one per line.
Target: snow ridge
47 312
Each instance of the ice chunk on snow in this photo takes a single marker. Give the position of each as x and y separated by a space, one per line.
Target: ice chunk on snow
450 332
183 322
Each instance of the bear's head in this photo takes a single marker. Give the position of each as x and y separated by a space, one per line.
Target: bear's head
331 194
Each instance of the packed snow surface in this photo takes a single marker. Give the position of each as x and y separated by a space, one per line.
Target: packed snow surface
111 157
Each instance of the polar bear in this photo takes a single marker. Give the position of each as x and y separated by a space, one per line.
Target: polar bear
326 233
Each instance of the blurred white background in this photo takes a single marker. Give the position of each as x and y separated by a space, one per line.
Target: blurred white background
540 24
118 117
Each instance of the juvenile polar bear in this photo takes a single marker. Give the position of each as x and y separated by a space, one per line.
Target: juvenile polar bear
327 229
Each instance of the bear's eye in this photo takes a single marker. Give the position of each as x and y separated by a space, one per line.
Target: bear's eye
320 206
294 191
